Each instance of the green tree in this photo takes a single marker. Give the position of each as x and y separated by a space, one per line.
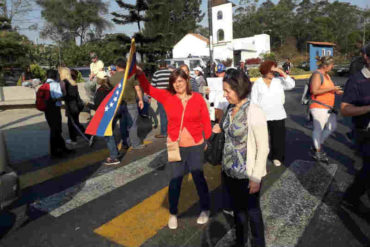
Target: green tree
172 19
136 14
71 19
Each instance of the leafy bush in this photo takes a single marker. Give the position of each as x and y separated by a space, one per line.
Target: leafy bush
254 72
38 72
298 71
79 77
269 56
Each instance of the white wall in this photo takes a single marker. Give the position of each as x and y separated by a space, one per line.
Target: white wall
226 23
190 45
262 43
223 52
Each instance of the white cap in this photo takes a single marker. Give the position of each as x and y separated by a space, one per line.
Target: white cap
199 69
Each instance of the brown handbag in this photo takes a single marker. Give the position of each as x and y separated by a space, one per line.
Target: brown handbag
173 149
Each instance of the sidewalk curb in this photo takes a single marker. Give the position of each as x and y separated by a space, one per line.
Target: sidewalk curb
296 77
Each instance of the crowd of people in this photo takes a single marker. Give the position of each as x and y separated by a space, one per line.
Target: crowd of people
251 117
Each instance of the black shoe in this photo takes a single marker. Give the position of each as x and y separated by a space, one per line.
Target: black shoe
321 157
69 151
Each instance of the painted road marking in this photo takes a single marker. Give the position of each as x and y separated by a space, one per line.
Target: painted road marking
144 220
57 170
78 195
296 77
290 203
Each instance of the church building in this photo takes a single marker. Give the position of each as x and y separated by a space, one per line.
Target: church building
223 45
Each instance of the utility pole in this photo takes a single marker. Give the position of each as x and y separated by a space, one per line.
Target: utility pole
210 33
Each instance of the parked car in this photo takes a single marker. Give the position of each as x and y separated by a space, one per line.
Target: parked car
304 66
341 69
192 63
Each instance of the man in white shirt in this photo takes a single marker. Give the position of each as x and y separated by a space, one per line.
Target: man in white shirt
96 66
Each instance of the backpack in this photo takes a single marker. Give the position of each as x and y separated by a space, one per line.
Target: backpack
306 96
42 97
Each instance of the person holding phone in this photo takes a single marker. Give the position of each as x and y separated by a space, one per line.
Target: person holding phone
268 93
323 91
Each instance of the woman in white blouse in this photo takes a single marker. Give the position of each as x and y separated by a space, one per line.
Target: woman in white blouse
268 93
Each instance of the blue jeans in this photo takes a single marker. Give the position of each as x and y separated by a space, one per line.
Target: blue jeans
192 159
111 141
128 125
163 118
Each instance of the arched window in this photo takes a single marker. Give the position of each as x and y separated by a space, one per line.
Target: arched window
219 15
220 35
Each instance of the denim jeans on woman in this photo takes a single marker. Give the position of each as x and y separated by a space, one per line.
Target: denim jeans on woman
192 160
247 211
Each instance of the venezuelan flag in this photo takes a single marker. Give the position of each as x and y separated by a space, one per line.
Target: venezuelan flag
101 123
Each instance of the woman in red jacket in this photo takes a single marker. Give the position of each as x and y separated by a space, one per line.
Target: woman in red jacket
196 126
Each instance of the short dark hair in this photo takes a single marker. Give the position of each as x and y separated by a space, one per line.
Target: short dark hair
52 74
266 66
239 82
121 62
162 63
173 77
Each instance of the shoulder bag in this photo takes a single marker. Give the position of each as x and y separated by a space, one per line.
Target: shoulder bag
173 149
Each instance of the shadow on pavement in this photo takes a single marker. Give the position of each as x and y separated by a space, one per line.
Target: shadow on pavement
20 120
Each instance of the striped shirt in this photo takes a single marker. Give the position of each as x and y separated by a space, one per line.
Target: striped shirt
161 78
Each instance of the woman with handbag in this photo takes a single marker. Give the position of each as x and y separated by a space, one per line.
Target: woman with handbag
244 156
188 125
74 106
323 91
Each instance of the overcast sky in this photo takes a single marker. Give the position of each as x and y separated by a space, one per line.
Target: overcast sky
34 17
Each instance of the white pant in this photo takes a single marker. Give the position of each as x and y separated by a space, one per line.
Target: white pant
324 124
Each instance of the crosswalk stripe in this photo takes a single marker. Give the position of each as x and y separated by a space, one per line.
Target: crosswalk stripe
290 203
42 175
143 221
78 195
32 178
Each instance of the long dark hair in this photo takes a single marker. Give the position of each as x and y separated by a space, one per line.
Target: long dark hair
173 77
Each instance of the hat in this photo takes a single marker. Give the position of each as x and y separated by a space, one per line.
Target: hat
220 68
93 55
112 68
198 68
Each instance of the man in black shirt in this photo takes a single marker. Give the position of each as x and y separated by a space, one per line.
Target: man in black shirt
356 103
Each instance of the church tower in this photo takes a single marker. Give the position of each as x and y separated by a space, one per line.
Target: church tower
222 21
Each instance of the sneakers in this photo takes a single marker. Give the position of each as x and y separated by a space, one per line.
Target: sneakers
276 162
111 162
70 142
320 156
228 212
172 222
203 217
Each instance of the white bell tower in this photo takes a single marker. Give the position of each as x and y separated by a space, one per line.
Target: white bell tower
222 21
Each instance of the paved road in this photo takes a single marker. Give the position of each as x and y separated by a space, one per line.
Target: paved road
79 202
